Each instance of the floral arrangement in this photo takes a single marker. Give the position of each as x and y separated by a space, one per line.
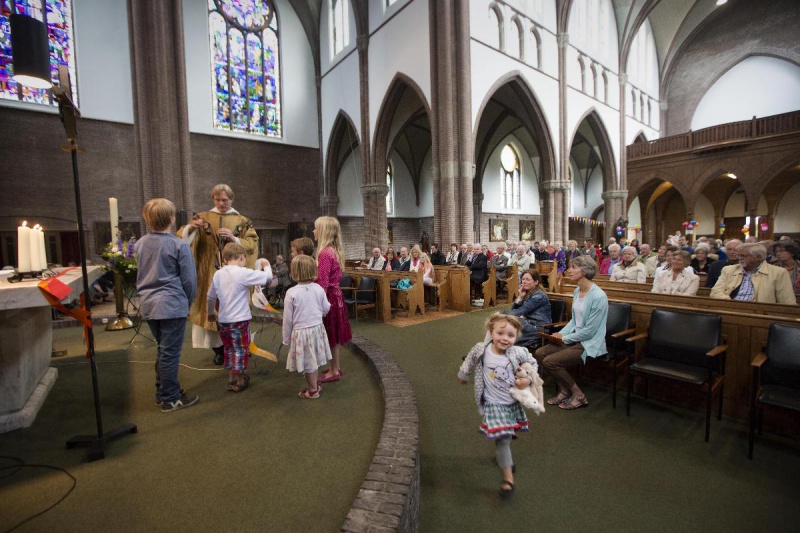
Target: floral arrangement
120 258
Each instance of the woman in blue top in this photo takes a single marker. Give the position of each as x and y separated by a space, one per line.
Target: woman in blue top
532 308
583 336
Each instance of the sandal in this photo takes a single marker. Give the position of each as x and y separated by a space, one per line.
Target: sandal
233 386
569 406
558 400
506 493
310 394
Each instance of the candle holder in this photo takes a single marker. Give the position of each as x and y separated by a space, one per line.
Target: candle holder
122 321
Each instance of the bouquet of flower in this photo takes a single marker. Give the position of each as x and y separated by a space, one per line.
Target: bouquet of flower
120 258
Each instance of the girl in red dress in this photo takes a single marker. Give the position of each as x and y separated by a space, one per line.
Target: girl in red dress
330 263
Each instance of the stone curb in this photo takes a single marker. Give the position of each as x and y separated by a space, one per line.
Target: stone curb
388 499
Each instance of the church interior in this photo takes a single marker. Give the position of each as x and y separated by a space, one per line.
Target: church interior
443 121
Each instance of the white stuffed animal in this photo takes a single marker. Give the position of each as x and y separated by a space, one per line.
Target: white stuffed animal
530 396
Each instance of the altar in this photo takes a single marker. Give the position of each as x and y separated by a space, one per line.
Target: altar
26 344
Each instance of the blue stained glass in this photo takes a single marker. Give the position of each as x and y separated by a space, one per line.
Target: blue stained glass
245 66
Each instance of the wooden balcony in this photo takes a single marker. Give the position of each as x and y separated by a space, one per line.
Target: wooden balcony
717 137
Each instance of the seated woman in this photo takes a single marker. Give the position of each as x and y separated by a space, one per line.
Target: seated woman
608 264
559 256
679 279
426 267
522 259
701 262
629 270
452 255
532 308
392 262
583 336
785 254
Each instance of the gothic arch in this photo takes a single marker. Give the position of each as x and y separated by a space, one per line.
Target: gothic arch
603 144
530 115
343 141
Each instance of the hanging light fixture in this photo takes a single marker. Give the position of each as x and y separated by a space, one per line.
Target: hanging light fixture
31 52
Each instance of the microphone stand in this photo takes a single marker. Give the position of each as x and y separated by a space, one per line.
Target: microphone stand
68 113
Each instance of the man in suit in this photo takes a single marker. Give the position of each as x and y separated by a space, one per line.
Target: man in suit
465 254
437 257
477 266
405 261
378 261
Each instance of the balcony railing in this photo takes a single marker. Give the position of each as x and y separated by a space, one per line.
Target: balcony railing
718 136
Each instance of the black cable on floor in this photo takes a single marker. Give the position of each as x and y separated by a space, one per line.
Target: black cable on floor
21 464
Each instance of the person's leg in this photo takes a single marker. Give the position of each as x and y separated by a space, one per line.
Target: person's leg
155 329
172 333
557 363
242 352
506 464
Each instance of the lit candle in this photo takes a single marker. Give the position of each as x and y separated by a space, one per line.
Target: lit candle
23 248
33 243
42 249
113 208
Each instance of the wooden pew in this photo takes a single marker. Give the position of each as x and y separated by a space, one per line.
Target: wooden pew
512 283
746 325
457 287
412 299
544 268
490 288
441 287
643 287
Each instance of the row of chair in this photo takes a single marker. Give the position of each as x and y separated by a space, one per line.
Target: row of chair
690 348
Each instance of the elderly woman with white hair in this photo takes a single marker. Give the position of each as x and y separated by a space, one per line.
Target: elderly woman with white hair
680 279
608 264
701 261
629 270
583 336
522 259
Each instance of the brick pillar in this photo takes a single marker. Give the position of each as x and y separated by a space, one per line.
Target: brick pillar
614 208
556 209
374 195
329 205
451 123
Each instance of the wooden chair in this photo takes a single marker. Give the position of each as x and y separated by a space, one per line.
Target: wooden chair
364 297
684 347
776 377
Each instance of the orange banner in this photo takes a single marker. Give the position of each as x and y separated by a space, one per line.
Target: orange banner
54 291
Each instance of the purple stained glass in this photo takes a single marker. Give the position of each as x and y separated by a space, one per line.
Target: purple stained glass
60 35
248 100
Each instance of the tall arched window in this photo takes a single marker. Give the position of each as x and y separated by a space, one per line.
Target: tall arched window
509 161
390 192
245 62
340 29
58 16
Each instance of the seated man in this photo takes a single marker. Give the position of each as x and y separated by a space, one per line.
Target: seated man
477 266
436 256
377 261
716 267
465 254
500 262
753 279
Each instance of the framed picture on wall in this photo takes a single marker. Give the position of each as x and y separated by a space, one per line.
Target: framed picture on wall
102 233
498 230
527 229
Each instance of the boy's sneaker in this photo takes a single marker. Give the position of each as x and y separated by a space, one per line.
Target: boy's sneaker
159 403
181 403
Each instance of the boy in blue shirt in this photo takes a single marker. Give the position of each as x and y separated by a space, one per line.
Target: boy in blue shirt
166 282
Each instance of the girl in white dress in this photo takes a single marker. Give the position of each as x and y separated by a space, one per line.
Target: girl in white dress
304 306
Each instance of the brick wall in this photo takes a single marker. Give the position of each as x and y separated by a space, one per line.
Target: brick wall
274 183
405 231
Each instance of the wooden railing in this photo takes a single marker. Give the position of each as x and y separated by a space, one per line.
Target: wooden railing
720 135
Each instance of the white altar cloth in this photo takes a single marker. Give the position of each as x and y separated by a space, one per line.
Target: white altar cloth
26 344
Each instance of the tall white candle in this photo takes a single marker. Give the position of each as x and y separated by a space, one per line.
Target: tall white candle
42 249
33 243
23 248
113 209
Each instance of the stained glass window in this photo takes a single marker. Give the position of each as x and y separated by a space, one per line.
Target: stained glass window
390 192
60 35
245 65
510 178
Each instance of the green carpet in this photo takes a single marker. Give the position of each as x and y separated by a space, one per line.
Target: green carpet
592 469
260 460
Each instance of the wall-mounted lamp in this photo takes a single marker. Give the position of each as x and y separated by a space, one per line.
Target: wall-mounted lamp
31 52
731 176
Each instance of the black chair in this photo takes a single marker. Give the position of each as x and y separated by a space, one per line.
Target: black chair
685 347
346 281
558 315
618 329
776 376
365 297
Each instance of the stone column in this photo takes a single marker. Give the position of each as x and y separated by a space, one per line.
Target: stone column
556 209
329 205
614 208
374 195
561 186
